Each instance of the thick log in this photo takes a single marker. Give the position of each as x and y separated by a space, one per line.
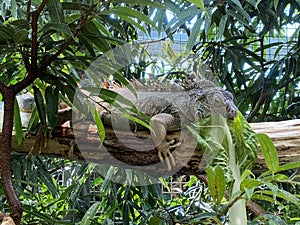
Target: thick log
136 150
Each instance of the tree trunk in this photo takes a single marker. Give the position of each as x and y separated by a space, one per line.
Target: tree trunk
135 149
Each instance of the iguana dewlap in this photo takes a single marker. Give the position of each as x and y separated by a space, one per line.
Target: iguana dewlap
172 110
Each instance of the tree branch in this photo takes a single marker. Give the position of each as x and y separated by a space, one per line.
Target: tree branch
33 69
15 205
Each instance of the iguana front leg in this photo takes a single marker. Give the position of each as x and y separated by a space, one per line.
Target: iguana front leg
159 125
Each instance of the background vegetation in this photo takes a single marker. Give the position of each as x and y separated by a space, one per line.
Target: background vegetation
53 41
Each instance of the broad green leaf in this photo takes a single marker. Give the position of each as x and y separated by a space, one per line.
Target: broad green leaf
245 142
90 214
221 183
211 176
281 194
198 3
98 41
250 183
269 152
263 197
40 105
20 36
51 96
276 177
55 11
18 123
154 220
6 32
61 28
216 183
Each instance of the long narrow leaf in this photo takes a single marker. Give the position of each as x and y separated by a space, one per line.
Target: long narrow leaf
40 105
18 123
51 96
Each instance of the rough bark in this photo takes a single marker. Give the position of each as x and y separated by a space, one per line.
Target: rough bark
136 150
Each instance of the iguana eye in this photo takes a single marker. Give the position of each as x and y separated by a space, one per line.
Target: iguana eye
199 113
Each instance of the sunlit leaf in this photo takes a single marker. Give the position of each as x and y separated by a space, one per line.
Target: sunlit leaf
90 214
269 152
98 121
198 3
250 183
216 183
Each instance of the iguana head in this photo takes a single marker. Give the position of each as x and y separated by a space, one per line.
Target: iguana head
213 101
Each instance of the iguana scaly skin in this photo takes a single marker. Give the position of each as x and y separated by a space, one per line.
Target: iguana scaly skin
172 110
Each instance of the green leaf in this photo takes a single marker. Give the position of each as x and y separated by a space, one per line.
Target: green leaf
250 183
46 177
221 183
269 152
90 214
6 32
33 211
125 11
193 36
257 3
154 221
18 122
55 11
222 26
51 96
216 183
14 9
98 121
198 3
40 105
20 36
238 17
61 28
245 142
211 176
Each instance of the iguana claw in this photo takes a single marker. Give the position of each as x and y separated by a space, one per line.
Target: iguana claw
164 153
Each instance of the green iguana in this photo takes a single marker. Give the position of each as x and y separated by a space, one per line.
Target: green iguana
173 109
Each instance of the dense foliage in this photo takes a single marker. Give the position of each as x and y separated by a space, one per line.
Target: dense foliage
245 43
